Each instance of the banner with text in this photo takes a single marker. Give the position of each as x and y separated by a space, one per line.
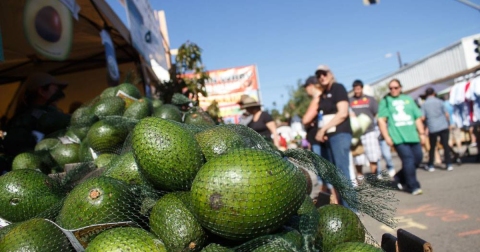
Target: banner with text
226 86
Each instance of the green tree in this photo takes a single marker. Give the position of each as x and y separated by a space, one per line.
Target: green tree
188 71
298 102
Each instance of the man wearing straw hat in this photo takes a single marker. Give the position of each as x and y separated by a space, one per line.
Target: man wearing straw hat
260 121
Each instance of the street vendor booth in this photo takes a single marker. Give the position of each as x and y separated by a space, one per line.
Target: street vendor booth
82 42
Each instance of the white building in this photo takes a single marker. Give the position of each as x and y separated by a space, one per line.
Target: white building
441 67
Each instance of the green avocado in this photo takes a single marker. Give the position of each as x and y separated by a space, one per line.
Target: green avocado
5 230
355 247
129 89
246 193
168 155
213 247
28 160
48 27
106 137
171 220
84 154
109 92
125 168
338 224
104 159
126 239
47 144
77 134
156 103
83 117
197 117
251 138
110 106
98 200
137 110
168 111
218 140
66 154
25 193
289 241
37 235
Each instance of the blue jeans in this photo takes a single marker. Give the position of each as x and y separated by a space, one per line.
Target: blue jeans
337 150
317 149
411 155
387 155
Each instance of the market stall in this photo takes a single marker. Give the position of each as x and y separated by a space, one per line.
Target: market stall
84 66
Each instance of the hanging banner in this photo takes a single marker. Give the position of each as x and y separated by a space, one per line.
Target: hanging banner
113 74
1 47
48 27
145 33
226 86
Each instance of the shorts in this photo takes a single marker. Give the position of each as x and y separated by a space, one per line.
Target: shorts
371 147
455 134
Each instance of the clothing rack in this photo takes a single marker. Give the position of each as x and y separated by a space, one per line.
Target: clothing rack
467 76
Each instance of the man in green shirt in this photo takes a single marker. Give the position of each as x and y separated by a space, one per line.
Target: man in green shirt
405 132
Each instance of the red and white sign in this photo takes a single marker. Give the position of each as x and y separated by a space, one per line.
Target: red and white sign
226 86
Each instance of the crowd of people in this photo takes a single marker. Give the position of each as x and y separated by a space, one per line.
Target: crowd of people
396 122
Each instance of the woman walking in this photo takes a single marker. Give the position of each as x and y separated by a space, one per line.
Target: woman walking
405 132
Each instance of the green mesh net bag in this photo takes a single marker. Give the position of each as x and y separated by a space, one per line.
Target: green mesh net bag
126 239
355 246
156 184
196 116
25 193
180 99
372 197
246 193
108 135
40 160
35 235
172 221
288 240
168 155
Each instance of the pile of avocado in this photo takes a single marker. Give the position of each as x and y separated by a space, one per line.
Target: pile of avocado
175 179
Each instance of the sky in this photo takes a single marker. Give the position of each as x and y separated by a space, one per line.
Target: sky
287 40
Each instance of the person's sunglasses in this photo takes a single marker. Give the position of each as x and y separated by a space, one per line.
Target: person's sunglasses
394 88
321 73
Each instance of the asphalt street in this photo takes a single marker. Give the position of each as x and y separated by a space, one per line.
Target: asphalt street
447 214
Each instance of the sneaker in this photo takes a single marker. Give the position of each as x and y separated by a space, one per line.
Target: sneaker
360 178
400 186
459 161
449 168
397 185
417 191
429 168
379 176
391 173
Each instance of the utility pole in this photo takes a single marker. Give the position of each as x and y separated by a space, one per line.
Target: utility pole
475 6
399 59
